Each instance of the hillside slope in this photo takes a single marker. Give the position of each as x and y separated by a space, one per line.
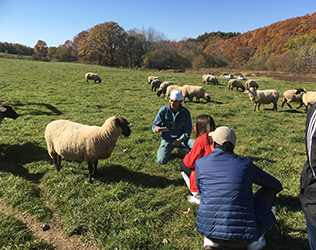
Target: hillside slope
276 38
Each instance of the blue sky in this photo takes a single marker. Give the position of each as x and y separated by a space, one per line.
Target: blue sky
55 21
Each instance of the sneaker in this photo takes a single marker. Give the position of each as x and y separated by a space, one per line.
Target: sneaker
193 199
257 245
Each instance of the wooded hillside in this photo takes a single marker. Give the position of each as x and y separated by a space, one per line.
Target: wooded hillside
288 46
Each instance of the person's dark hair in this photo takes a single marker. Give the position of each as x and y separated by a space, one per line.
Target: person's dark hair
227 146
204 124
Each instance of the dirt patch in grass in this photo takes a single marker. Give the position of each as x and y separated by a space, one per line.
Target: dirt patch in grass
54 236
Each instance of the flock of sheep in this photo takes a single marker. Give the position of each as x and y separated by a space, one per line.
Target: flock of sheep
251 88
188 91
74 141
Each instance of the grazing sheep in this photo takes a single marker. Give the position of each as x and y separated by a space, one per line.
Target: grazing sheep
195 91
235 83
74 141
155 84
151 78
7 111
92 76
263 97
308 97
251 83
210 79
171 88
163 88
290 96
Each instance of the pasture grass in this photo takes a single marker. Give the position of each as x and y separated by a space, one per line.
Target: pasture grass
134 203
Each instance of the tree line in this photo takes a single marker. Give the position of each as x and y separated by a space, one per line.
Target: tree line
109 44
288 46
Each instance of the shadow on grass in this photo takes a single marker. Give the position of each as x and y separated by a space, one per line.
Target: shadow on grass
289 203
13 157
291 111
117 173
37 112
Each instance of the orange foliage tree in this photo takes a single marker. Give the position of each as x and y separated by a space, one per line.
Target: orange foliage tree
41 49
101 43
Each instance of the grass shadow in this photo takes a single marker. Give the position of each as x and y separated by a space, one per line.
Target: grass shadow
54 111
289 203
13 157
117 173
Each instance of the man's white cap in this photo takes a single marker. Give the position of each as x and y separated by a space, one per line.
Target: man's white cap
222 134
176 95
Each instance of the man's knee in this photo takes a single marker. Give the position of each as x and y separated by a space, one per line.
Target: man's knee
161 161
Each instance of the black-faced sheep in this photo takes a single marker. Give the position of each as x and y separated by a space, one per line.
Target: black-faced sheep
251 84
210 79
198 92
92 76
155 84
7 111
259 97
163 88
308 97
290 96
233 83
74 141
151 78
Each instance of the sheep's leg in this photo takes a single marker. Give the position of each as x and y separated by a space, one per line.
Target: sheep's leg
283 103
90 167
255 107
275 107
300 105
288 105
56 161
95 167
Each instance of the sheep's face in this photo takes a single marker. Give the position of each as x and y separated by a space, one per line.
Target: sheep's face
7 111
125 126
300 91
159 93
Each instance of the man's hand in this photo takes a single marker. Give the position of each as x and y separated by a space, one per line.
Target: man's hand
161 129
177 142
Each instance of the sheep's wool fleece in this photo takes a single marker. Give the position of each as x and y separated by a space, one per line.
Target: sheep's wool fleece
74 141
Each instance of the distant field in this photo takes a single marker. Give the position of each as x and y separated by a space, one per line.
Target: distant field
133 203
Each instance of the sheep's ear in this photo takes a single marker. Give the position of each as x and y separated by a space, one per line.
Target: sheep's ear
3 109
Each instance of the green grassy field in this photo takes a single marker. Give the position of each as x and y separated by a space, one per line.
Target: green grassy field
133 203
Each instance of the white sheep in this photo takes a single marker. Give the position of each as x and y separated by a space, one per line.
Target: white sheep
308 97
198 92
210 78
92 76
233 83
7 111
74 141
290 96
155 84
251 83
163 88
171 88
259 97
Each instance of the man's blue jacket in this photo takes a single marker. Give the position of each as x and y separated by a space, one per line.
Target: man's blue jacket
227 209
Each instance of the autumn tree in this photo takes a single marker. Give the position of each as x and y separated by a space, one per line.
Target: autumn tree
102 42
41 49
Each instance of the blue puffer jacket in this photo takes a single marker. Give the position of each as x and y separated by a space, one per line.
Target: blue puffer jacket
227 210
